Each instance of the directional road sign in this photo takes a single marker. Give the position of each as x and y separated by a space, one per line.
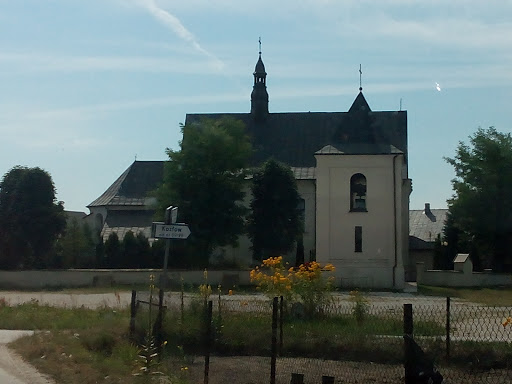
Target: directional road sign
170 231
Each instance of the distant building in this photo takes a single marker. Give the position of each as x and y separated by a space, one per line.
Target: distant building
127 205
352 173
425 226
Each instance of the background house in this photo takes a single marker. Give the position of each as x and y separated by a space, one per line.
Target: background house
425 226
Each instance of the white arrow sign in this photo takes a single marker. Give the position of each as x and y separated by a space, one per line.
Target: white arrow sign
170 231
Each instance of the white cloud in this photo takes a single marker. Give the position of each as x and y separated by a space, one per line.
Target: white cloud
19 62
173 23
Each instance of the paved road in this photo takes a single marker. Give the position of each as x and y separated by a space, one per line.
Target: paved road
13 369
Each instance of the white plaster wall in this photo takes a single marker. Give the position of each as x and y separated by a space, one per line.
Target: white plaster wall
307 191
462 278
85 277
374 266
243 253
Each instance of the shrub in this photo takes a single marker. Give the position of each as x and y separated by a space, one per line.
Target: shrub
360 306
306 284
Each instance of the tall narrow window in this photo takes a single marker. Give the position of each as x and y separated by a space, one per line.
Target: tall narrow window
358 239
358 193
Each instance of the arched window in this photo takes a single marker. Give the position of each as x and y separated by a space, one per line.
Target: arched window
358 193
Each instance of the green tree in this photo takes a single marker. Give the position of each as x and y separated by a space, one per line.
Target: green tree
275 222
205 179
75 249
144 252
112 249
481 207
30 218
136 251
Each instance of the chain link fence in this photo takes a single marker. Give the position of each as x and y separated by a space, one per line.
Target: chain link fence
346 342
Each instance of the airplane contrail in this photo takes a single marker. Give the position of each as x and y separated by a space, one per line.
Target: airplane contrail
173 23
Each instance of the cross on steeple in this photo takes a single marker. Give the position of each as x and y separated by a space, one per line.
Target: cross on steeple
260 44
360 78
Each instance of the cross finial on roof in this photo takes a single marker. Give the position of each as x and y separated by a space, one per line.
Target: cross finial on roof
260 44
360 78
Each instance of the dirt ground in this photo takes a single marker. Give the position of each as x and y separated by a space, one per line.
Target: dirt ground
256 370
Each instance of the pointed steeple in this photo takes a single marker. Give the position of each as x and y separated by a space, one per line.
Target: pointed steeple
259 95
360 104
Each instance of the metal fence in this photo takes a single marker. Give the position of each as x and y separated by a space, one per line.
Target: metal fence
248 340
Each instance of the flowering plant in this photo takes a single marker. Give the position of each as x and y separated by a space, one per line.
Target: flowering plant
273 278
312 287
306 284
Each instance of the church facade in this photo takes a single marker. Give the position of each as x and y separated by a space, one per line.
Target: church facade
352 174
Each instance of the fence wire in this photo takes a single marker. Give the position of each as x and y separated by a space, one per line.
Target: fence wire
467 343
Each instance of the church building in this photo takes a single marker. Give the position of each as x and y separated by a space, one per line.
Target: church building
352 174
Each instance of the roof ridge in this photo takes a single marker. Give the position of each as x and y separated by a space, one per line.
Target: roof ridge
111 191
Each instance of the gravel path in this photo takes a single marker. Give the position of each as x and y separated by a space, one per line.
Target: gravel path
13 369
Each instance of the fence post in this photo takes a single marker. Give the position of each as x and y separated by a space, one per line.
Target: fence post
408 332
448 302
157 328
208 341
281 307
273 358
297 378
133 310
327 379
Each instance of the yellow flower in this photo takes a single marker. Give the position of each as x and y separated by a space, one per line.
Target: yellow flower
230 292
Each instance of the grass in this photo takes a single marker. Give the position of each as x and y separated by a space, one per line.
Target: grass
377 338
79 345
500 297
33 316
88 346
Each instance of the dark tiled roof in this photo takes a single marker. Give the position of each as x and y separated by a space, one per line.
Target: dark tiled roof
293 138
461 258
304 173
122 231
425 227
123 221
71 215
358 149
133 186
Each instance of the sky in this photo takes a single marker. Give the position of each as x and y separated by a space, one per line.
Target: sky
88 86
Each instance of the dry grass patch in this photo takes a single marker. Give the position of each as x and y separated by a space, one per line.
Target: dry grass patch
500 297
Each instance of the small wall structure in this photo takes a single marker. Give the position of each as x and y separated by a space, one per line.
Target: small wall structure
104 277
462 275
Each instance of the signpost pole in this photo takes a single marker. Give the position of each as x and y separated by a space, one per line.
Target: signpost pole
171 214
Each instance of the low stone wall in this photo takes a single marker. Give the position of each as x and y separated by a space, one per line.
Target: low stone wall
95 277
460 278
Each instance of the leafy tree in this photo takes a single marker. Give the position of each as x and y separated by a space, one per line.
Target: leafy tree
129 250
274 223
112 251
30 218
205 180
144 252
135 250
481 207
75 249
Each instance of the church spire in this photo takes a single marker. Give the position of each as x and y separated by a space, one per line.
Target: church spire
259 95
